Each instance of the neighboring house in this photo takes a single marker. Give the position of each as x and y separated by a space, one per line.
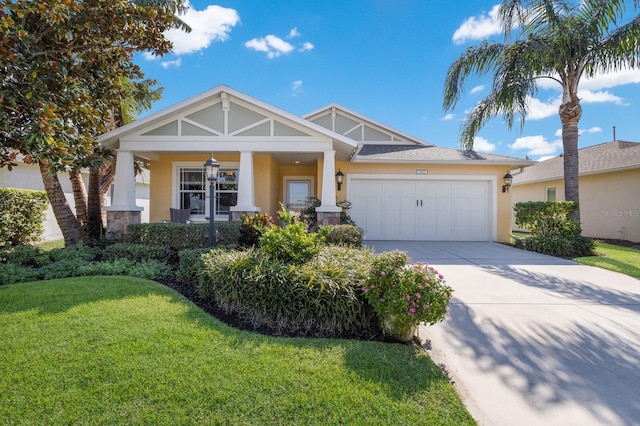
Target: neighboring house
400 187
609 188
27 176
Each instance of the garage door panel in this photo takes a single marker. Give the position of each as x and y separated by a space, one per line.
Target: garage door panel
424 210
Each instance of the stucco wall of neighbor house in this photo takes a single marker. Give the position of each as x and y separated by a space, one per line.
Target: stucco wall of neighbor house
27 176
609 203
503 201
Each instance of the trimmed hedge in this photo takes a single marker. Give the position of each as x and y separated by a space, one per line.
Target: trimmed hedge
22 214
552 229
321 297
180 236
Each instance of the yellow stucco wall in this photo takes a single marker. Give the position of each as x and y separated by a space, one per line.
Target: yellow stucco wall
269 181
162 185
609 203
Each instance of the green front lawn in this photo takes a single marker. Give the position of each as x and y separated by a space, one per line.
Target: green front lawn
615 258
123 350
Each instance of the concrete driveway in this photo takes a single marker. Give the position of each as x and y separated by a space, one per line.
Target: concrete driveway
533 339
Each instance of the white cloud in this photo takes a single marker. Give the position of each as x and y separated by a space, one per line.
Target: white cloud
537 109
273 46
545 157
448 117
477 89
294 33
478 28
609 80
595 129
211 24
536 145
306 46
589 97
480 144
296 85
171 64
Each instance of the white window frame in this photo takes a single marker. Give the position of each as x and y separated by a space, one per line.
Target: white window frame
175 183
555 193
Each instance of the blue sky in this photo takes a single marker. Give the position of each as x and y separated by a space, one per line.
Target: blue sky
385 59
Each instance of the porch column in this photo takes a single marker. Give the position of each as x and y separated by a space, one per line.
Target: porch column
123 210
328 211
246 204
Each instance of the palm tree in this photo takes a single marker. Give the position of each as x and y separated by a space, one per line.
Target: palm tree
558 40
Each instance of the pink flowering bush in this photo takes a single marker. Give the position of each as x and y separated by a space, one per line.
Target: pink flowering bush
410 293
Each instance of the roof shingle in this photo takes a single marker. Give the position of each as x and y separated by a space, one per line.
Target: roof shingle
602 158
430 153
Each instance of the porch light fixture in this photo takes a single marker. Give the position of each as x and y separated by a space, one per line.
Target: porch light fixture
211 167
507 182
339 177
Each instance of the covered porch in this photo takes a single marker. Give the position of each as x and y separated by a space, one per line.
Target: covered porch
267 157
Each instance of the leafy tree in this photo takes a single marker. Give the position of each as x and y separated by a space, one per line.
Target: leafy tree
558 40
64 64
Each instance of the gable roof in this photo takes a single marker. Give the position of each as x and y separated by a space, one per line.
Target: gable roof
602 158
433 154
358 127
110 139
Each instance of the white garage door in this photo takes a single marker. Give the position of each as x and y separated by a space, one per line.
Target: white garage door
439 210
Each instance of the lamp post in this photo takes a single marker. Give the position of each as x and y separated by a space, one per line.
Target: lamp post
211 167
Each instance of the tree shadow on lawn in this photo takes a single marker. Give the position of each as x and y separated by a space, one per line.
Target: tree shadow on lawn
402 370
49 298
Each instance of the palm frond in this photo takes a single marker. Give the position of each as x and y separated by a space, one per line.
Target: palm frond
478 61
618 51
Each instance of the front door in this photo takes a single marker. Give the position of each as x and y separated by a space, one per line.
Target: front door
297 194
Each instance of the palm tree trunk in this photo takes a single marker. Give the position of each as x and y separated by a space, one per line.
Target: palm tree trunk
570 113
79 195
71 229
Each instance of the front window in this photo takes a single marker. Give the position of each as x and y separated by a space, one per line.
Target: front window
551 193
194 190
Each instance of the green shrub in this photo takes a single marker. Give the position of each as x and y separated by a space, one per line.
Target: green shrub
24 255
558 245
291 243
22 214
12 273
139 253
552 229
321 297
151 270
414 293
252 229
108 267
190 265
77 252
63 268
180 236
348 235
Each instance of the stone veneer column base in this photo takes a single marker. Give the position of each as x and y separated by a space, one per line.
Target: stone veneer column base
117 222
328 218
